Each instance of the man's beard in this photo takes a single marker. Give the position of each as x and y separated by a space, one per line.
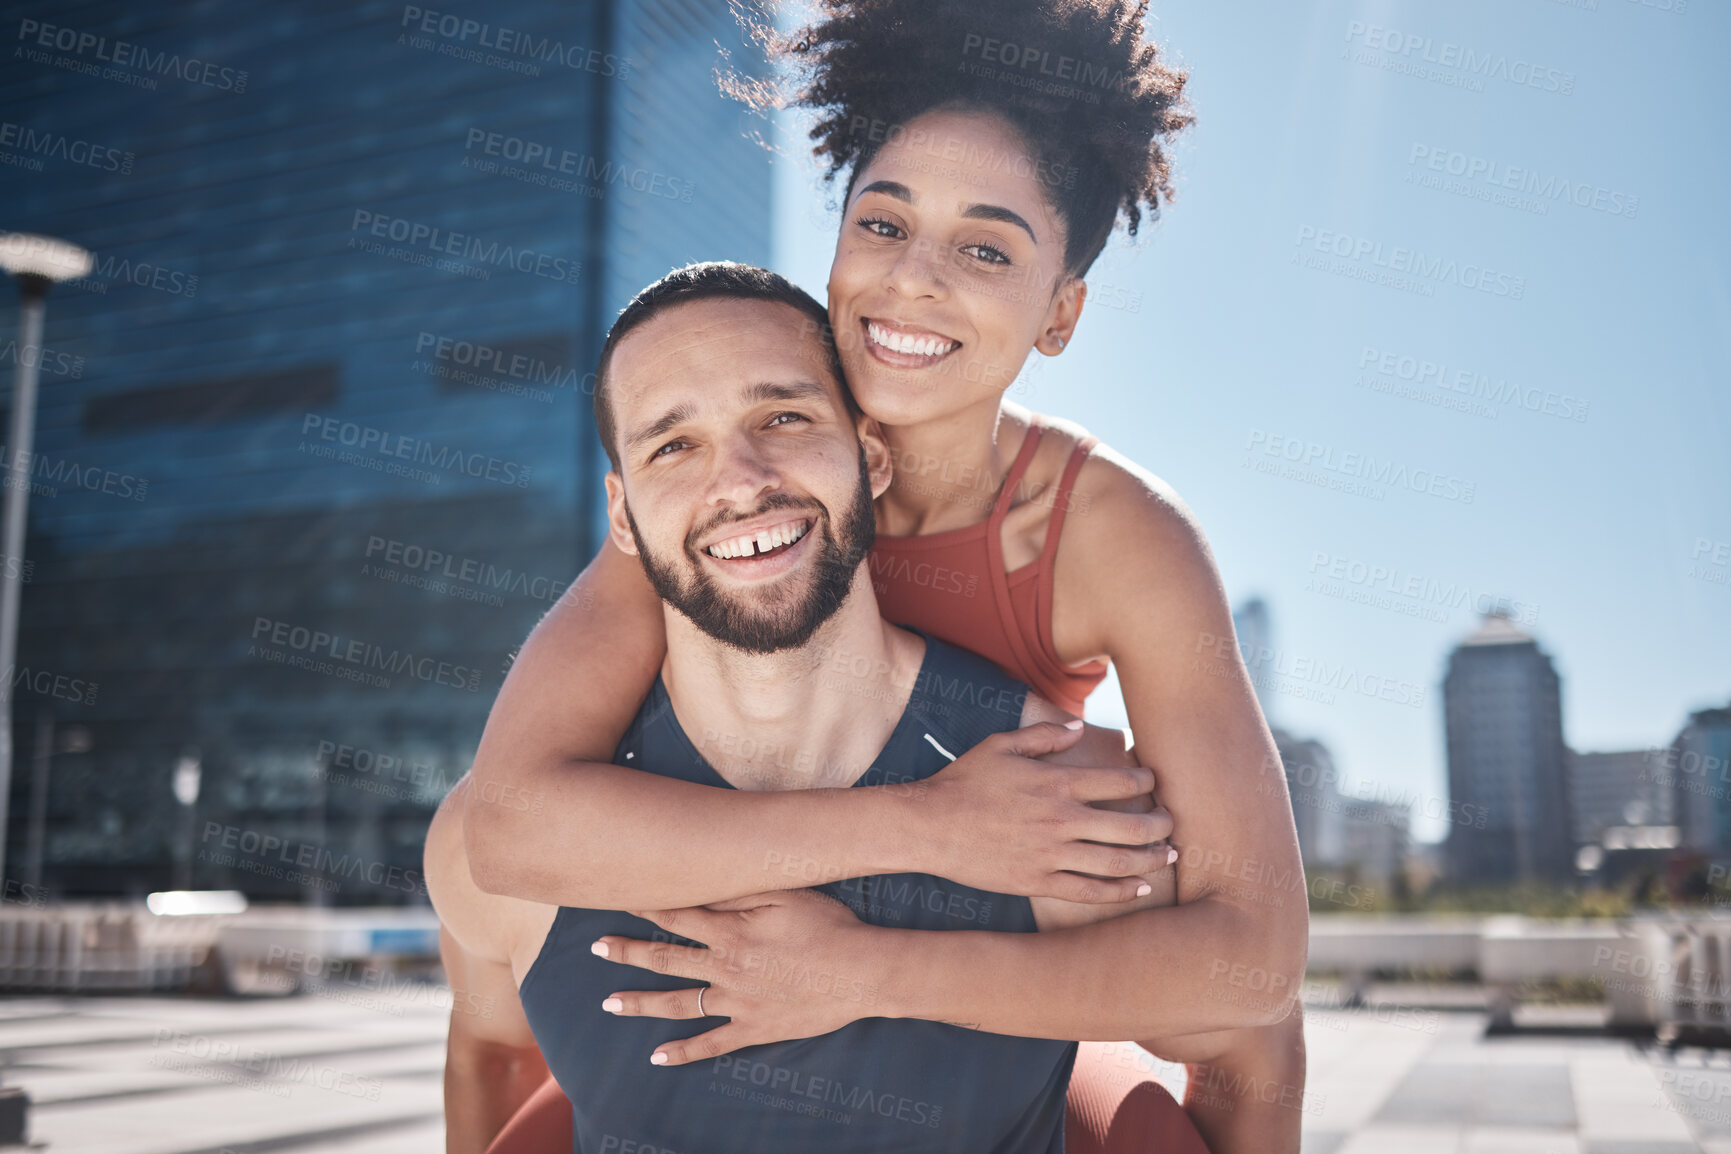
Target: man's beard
728 620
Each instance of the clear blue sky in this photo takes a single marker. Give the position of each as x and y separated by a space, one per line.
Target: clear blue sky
1313 127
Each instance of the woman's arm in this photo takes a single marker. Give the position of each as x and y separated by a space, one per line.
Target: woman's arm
1135 582
1245 1087
549 819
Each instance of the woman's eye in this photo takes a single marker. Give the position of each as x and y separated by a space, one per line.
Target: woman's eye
987 253
878 227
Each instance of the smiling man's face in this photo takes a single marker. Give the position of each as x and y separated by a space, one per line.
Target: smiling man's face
744 484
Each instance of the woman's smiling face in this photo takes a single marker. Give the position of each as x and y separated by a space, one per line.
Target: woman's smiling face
948 270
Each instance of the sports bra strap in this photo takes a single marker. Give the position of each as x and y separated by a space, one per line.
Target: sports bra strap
1061 499
1012 479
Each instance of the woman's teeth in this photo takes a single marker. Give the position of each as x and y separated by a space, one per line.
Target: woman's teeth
908 343
761 542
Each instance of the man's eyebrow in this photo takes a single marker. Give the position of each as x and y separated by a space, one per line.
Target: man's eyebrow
995 212
660 425
785 391
755 395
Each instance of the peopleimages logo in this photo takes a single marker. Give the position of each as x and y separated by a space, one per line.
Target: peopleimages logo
485 358
433 563
1335 576
1360 468
1467 64
1473 384
459 32
385 444
58 146
47 360
1406 264
435 240
1494 176
124 54
284 638
554 162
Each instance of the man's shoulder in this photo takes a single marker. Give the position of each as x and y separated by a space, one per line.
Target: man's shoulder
654 718
964 697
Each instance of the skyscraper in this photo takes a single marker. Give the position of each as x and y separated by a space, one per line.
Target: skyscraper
1503 716
1255 628
315 447
1696 770
1616 789
1313 784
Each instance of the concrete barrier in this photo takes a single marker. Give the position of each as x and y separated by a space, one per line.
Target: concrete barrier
105 947
1666 972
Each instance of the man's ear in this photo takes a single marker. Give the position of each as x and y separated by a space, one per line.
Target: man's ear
1061 317
879 461
618 527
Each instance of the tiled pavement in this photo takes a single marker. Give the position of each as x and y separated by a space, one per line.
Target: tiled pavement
1414 1081
360 1074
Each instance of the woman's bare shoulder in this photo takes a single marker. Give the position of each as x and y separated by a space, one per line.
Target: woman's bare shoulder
1132 550
1113 494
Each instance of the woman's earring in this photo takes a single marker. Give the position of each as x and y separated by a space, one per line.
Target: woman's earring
1060 341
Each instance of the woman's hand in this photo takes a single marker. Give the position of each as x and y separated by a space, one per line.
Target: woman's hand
782 965
1077 824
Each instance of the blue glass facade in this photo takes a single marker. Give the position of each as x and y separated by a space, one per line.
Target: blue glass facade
314 446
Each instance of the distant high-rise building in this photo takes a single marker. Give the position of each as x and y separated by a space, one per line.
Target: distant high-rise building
1376 837
1504 720
1316 802
1615 789
1340 828
1255 629
1696 771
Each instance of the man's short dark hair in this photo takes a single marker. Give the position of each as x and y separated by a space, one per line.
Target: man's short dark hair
710 280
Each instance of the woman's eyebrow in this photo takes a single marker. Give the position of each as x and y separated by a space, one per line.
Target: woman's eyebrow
995 212
1000 214
889 188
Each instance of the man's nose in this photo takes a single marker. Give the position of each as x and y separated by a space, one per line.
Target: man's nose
743 473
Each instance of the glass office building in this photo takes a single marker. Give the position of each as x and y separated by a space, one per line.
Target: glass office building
314 444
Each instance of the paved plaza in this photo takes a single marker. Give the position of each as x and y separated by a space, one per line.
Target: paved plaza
359 1073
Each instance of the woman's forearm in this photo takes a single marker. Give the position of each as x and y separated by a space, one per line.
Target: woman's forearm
549 819
1206 965
603 836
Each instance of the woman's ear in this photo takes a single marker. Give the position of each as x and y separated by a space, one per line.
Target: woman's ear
618 526
880 463
1061 317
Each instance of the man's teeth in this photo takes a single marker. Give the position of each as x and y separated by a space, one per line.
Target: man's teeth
907 343
761 542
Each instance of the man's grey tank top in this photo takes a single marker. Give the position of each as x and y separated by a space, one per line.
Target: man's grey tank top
877 1085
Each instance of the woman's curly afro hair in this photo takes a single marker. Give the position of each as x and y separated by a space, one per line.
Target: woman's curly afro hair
1092 99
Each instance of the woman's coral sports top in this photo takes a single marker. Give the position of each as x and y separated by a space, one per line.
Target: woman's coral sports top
953 586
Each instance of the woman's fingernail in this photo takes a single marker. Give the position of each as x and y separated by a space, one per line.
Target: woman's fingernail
1144 890
1073 723
658 1059
1171 854
599 948
613 1005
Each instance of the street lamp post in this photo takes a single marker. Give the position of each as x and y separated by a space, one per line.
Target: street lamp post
35 262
